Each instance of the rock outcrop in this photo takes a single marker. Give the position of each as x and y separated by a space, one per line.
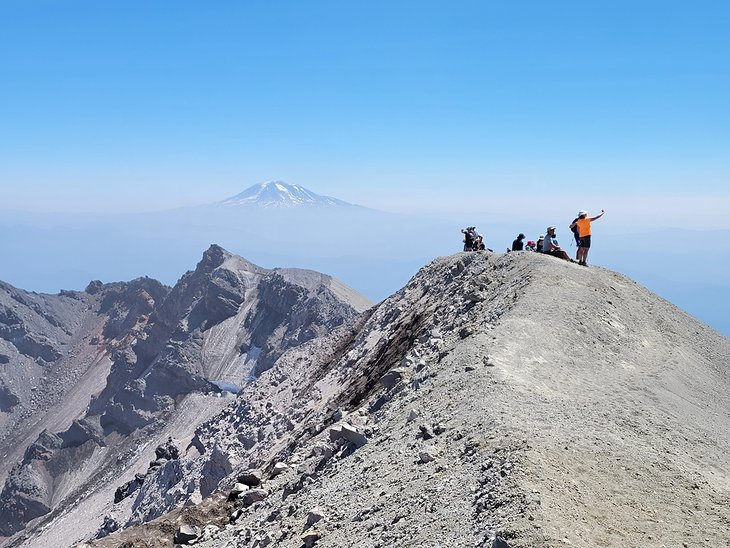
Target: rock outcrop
56 356
98 373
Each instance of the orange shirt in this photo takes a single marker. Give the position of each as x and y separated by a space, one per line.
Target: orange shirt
584 227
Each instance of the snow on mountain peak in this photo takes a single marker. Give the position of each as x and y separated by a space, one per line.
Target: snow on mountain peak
278 194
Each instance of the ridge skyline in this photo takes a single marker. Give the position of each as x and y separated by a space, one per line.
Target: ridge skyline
294 226
278 193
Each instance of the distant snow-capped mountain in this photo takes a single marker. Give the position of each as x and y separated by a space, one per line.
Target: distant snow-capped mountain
278 194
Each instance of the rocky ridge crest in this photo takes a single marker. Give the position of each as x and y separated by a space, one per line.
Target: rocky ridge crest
497 400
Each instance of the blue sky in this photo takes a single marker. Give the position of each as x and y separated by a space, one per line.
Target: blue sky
417 106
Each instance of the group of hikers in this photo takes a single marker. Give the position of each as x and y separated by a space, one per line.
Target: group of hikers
472 240
547 243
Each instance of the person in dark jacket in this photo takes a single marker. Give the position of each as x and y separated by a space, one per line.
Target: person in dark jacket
469 237
574 230
538 245
518 245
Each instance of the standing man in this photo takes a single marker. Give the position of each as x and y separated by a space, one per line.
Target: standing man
583 224
468 238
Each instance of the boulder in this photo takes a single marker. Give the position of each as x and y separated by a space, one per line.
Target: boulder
310 539
252 478
393 377
109 525
335 432
427 455
160 492
237 491
217 467
425 432
351 434
314 516
167 451
128 488
253 495
412 415
187 534
278 468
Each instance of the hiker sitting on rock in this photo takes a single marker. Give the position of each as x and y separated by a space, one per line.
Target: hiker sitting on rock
517 244
530 245
550 245
479 243
540 241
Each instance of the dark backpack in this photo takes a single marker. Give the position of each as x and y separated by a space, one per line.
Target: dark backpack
576 234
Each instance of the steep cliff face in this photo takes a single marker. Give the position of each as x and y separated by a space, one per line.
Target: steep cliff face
134 358
56 350
220 325
497 400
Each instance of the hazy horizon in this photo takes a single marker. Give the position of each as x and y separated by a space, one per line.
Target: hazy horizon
374 252
512 117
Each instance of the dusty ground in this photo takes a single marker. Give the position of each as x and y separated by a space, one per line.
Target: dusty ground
536 401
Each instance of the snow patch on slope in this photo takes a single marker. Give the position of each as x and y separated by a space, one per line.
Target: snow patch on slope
278 194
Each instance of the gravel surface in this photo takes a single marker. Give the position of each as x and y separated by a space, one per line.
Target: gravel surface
497 400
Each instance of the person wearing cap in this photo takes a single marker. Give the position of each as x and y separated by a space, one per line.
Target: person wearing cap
583 225
550 245
540 240
517 245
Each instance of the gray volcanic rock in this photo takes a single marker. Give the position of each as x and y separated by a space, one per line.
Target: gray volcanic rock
26 496
118 365
189 342
600 420
55 358
8 400
28 492
81 431
128 306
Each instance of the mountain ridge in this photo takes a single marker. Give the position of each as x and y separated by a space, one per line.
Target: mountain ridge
278 194
45 252
495 400
147 348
